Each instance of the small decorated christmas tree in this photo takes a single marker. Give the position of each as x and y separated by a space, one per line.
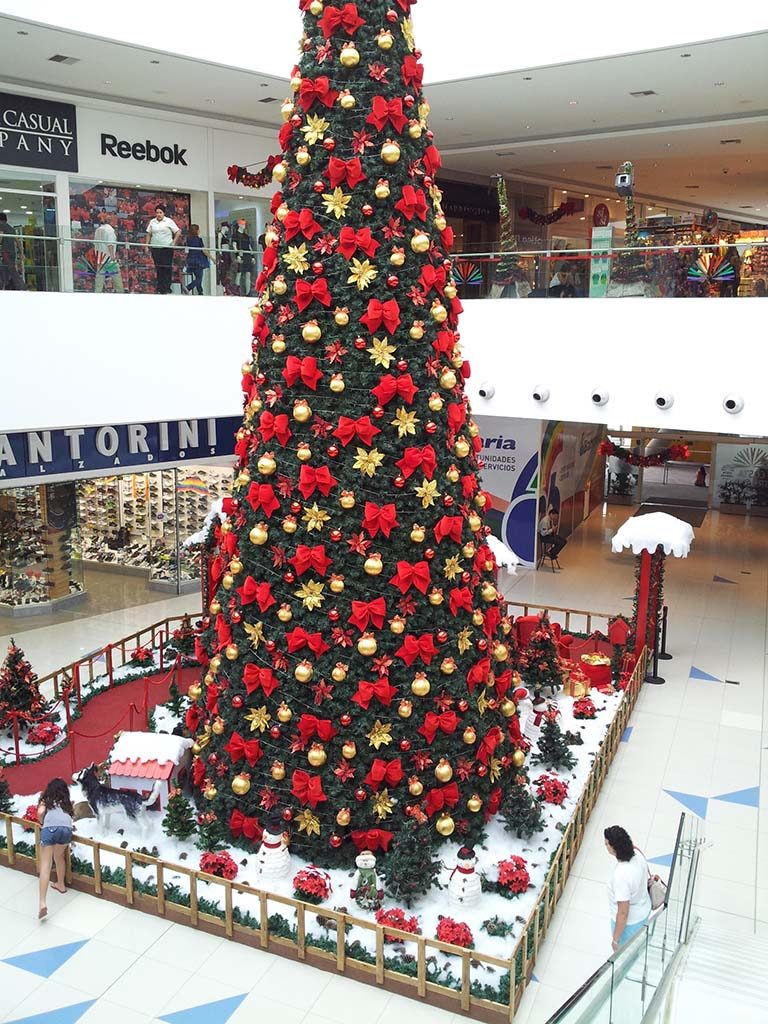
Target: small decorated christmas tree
176 700
553 750
180 819
409 870
540 664
209 832
521 809
183 638
19 691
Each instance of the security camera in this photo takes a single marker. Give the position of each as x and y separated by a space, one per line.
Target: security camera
486 390
540 394
625 179
599 397
733 403
664 400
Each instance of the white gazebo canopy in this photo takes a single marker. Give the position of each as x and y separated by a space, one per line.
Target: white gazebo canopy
645 533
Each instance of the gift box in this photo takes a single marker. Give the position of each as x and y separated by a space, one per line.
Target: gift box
597 668
577 683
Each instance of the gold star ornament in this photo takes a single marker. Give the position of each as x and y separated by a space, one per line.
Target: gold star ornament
308 822
362 273
428 493
382 353
315 517
315 128
452 567
382 804
405 422
336 203
368 461
311 594
464 641
259 718
255 632
380 735
296 258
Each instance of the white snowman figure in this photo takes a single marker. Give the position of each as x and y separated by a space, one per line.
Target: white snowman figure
535 720
273 859
522 699
464 884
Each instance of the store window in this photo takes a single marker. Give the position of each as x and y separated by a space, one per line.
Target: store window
29 246
240 225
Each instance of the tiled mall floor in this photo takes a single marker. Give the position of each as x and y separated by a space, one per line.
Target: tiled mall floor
697 743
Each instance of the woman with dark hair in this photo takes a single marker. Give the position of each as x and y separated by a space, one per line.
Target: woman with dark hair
54 812
628 887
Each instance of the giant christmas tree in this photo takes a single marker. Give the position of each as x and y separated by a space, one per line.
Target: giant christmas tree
358 670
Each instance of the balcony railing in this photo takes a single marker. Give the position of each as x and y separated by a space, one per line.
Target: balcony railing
52 262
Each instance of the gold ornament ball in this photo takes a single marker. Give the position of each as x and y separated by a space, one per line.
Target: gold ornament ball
390 152
420 242
501 652
195 691
397 259
227 581
303 672
303 157
240 785
448 380
420 685
435 403
316 7
296 81
405 709
302 411
280 172
284 713
337 586
415 130
518 758
215 663
337 384
385 40
452 475
445 825
210 792
382 190
349 750
343 818
311 332
347 499
317 755
416 334
480 501
440 222
259 534
470 736
231 652
266 465
415 787
303 452
435 598
196 748
373 565
349 56
477 617
281 213
447 666
397 625
488 592
277 771
218 726
475 522
209 678
287 110
418 533
439 313
284 613
235 566
474 803
242 479
507 708
341 317
367 645
347 101
468 550
290 525
278 344
227 526
474 430
450 291
339 673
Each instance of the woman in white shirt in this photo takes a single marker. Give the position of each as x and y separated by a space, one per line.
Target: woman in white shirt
162 234
628 888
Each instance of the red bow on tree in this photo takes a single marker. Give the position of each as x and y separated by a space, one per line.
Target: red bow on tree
215 571
413 72
303 222
223 631
411 575
457 415
387 772
362 428
366 691
390 387
299 638
378 313
446 722
423 459
311 480
366 612
192 720
387 110
432 277
318 90
379 517
449 526
201 655
460 597
335 18
269 260
308 789
350 241
413 204
491 620
240 825
262 496
308 292
478 674
469 486
491 740
256 678
310 558
374 839
311 725
414 647
438 799
260 329
444 342
341 171
252 591
503 683
274 426
304 369
239 748
432 160
493 804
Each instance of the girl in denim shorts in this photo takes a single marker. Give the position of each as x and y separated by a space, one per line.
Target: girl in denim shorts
54 812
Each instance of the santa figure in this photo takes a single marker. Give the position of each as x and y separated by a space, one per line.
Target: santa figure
367 892
464 884
522 699
273 859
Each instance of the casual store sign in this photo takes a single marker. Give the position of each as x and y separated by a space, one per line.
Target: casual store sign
37 455
37 133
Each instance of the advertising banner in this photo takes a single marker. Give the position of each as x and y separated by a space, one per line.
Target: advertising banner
37 133
600 268
571 471
741 476
510 474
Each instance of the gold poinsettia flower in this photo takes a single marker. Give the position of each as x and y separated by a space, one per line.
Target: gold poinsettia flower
381 352
452 567
315 128
296 258
494 769
259 718
315 517
336 203
428 492
362 274
380 735
482 703
407 28
405 422
308 822
464 641
255 632
368 461
382 804
311 594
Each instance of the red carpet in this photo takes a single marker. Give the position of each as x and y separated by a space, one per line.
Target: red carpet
94 731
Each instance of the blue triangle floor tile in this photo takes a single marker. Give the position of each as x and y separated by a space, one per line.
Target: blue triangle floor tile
746 797
697 673
64 1015
694 803
722 579
45 961
664 860
533 977
626 736
209 1013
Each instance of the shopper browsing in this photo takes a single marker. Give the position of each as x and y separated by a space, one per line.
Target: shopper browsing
628 888
197 259
55 813
105 247
162 234
548 526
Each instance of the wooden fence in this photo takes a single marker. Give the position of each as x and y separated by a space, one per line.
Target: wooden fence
575 619
341 956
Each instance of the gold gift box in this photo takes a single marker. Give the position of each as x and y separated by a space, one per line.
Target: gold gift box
577 684
596 659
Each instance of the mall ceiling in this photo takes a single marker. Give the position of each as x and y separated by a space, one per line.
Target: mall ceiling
705 122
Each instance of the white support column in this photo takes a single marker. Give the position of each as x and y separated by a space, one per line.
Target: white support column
64 244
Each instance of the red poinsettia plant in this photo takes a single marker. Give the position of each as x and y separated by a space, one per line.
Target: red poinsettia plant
312 885
44 733
513 876
584 708
30 815
220 864
456 932
550 789
396 917
141 655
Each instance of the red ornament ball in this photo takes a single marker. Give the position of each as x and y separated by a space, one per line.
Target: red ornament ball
336 536
482 771
295 507
287 814
329 144
393 280
442 636
268 306
317 267
345 721
213 759
402 365
335 841
448 501
360 344
405 746
409 101
399 482
427 181
430 427
333 451
392 16
366 210
377 412
296 120
360 795
237 701
334 615
429 554
270 645
274 732
482 644
289 576
319 187
463 706
466 576
236 618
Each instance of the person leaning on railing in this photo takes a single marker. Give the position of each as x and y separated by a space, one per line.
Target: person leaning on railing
162 234
628 888
55 814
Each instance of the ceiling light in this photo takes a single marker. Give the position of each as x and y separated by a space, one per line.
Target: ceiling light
23 207
747 207
643 92
564 191
582 218
603 167
100 181
554 150
527 78
61 58
717 85
685 55
154 62
21 32
6 211
586 195
107 82
573 103
527 126
273 99
263 85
